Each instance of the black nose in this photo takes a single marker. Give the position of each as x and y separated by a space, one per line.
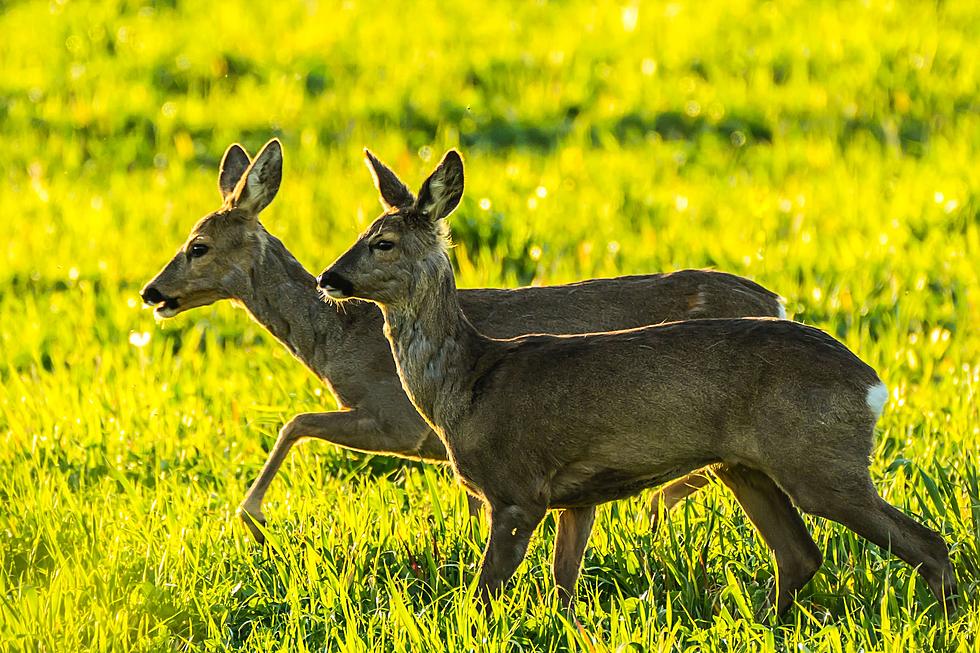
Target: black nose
152 296
331 279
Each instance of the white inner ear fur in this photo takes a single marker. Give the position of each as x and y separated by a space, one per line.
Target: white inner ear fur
255 189
436 186
437 197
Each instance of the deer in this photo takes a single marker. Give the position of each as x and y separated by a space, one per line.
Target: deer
567 422
230 255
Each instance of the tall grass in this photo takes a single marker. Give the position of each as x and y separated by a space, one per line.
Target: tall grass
829 151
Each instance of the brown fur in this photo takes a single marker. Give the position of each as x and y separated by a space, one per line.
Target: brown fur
544 421
347 349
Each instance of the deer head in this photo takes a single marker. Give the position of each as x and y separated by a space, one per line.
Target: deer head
215 260
389 259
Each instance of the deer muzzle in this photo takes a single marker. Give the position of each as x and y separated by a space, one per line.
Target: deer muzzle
334 285
165 306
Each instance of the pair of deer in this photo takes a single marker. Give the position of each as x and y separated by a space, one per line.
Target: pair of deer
781 413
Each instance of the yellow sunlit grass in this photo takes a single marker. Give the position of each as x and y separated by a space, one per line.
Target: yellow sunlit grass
828 151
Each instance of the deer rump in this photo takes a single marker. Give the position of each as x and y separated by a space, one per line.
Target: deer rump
611 414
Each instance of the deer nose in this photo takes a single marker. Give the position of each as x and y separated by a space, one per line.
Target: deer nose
335 285
152 296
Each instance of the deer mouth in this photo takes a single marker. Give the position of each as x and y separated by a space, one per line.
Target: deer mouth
333 293
163 305
334 286
167 308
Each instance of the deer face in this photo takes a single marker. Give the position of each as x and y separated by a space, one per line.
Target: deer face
215 261
391 258
212 264
383 265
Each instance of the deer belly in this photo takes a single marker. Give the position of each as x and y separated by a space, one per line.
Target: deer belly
578 488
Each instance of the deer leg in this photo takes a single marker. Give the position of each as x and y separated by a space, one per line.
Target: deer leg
782 528
673 493
859 507
574 528
346 428
474 506
511 527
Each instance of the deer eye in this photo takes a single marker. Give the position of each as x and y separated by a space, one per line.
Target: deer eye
383 245
198 250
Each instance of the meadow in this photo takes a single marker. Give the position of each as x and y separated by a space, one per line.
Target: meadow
829 151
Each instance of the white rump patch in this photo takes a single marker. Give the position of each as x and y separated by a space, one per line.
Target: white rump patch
877 396
782 311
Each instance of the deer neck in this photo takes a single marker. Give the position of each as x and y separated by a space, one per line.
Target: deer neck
434 346
284 299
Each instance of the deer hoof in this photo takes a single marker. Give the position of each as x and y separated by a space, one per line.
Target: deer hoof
254 522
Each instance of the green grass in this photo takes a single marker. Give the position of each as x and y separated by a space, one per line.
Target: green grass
829 152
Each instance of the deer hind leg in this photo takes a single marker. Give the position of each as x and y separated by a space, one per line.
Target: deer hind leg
782 528
673 493
574 528
854 502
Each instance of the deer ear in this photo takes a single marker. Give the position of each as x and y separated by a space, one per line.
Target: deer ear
260 183
394 194
233 165
441 192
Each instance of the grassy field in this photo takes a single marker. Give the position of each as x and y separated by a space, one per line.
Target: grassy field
830 152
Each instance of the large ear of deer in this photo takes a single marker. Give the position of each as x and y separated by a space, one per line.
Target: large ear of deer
260 183
394 194
441 192
233 166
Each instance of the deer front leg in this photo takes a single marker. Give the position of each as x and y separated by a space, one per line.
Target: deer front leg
351 428
574 528
474 506
511 527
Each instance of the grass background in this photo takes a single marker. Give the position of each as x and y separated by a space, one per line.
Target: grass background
827 150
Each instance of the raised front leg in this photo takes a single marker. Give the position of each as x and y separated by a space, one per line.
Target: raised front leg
511 527
574 528
352 429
